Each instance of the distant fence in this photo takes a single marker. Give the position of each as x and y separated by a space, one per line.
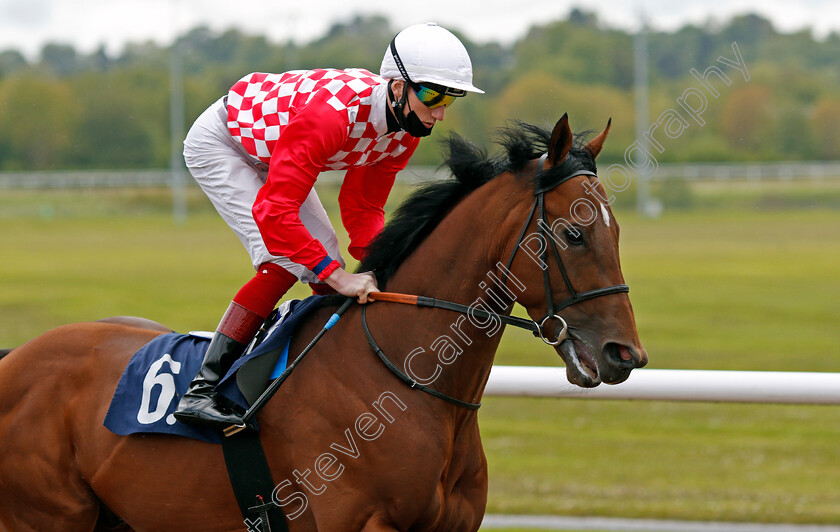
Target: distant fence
152 178
86 179
810 170
782 171
783 387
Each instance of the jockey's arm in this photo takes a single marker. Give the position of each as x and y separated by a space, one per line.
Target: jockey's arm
315 134
301 152
362 199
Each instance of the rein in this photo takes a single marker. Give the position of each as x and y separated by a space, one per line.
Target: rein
430 302
423 301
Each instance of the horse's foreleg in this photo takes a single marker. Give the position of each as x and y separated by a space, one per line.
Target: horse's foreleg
464 505
37 491
56 513
41 487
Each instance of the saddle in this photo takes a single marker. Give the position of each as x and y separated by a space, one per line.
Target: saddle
160 373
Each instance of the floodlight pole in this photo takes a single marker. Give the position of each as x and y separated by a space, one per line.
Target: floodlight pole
643 202
176 129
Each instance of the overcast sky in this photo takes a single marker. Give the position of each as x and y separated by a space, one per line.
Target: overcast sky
27 24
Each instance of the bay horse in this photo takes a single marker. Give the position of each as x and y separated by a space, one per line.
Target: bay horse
350 446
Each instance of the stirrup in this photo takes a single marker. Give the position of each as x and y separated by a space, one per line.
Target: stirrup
230 430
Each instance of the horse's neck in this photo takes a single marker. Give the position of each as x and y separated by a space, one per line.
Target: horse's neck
456 263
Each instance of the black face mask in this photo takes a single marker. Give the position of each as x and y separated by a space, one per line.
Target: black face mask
415 127
411 124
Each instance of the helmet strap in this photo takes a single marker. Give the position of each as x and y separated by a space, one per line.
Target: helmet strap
398 106
398 61
411 123
395 120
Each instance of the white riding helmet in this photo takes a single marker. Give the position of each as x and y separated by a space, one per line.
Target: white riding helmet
429 53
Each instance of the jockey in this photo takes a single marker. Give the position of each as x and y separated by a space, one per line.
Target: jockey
258 151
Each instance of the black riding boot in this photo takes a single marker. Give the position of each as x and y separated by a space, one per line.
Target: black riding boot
198 406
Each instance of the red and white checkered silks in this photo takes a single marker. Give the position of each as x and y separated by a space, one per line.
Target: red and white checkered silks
261 104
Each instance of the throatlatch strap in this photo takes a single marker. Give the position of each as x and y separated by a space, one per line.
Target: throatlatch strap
251 480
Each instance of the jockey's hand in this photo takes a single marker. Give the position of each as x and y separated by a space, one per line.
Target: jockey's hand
352 284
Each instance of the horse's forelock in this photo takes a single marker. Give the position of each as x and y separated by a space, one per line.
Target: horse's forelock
578 159
522 143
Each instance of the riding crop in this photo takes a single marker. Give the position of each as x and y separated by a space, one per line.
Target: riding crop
272 389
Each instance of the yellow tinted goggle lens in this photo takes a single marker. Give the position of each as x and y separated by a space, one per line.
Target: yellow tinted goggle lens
432 98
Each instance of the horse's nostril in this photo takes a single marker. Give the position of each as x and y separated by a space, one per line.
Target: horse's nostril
620 355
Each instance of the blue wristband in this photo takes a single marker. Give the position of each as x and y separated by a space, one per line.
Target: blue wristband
322 265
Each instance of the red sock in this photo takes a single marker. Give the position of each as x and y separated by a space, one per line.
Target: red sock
261 294
255 301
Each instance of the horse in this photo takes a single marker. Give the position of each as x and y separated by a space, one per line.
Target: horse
350 445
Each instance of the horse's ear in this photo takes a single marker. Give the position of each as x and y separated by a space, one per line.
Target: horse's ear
595 145
561 141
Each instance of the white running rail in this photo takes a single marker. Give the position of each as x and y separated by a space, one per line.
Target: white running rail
673 385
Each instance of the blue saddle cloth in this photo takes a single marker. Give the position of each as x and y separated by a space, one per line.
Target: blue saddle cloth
158 375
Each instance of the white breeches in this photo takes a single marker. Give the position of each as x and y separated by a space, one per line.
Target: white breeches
231 179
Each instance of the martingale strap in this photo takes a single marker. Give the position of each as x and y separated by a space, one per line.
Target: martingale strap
405 378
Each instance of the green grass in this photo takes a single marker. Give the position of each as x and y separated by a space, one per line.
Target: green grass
739 283
661 459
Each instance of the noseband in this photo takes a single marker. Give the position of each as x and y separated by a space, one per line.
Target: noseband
575 296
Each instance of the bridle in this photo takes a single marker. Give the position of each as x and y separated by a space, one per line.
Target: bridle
542 228
536 327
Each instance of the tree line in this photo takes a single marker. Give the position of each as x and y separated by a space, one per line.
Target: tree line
67 110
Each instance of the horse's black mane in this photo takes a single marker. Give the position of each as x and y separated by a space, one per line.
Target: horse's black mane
471 168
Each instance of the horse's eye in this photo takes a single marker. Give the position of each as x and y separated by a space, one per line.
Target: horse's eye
575 237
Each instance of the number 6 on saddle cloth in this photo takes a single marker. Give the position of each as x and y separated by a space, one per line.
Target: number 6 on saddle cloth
160 372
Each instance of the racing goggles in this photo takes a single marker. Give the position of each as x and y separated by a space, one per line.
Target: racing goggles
433 95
